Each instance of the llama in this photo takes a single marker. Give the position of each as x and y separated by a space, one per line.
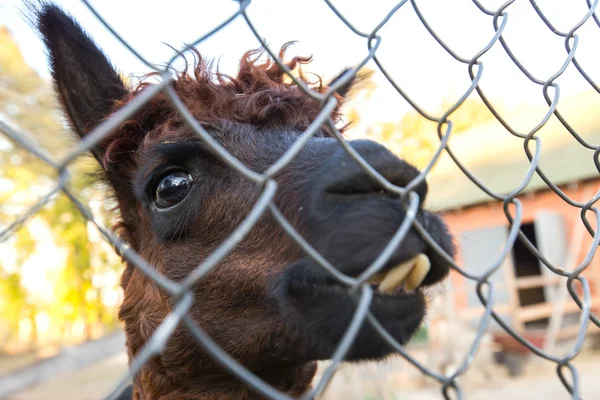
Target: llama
267 304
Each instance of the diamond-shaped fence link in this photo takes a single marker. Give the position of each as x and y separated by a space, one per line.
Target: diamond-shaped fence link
180 292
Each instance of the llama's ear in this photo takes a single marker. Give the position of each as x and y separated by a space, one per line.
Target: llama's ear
345 89
87 83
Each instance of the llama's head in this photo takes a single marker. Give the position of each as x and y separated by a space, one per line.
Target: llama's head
267 303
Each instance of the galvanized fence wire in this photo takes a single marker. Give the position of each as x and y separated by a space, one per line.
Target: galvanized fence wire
181 292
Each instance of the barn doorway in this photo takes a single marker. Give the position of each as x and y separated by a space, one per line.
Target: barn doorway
527 265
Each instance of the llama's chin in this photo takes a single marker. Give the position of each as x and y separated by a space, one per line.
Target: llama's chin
319 313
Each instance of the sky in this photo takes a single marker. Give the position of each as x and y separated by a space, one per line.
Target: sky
414 59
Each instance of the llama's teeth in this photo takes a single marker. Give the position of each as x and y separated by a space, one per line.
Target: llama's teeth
394 278
418 273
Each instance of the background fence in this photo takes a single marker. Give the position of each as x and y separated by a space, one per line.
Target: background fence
181 293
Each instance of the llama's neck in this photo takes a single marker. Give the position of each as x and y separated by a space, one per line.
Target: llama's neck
293 381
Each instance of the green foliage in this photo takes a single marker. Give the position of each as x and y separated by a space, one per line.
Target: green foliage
28 103
414 137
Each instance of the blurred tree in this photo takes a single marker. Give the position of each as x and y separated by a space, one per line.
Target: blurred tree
14 296
29 105
27 100
414 137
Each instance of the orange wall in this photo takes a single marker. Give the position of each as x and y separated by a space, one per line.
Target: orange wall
492 214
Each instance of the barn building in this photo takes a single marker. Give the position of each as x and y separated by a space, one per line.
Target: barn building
526 292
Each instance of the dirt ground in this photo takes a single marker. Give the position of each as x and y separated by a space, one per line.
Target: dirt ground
396 380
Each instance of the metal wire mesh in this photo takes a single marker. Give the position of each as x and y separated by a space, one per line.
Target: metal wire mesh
181 293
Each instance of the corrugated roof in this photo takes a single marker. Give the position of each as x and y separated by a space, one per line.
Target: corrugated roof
498 158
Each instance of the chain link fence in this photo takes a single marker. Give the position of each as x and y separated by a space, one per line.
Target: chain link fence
181 293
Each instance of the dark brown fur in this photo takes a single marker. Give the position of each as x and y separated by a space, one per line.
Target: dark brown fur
259 96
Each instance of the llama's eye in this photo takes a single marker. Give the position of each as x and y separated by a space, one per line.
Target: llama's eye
172 188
